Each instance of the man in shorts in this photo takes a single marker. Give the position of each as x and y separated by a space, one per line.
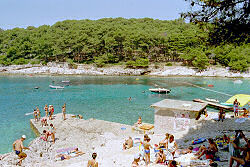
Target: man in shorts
18 148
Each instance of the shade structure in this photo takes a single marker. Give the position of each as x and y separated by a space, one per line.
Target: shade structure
243 99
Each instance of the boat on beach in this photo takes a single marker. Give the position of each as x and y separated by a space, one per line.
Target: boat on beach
159 90
212 100
56 87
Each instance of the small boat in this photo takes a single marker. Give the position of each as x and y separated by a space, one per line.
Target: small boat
210 85
36 87
212 100
238 81
159 90
66 81
56 87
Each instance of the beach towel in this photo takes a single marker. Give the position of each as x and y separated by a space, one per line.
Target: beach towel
240 120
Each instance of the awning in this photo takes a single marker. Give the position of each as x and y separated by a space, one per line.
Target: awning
243 99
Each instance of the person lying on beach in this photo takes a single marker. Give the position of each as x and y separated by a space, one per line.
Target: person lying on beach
221 115
18 148
93 162
136 160
245 160
76 152
172 145
185 151
63 156
160 157
128 143
209 152
163 143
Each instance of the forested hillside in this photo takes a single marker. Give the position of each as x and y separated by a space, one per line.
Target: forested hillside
134 42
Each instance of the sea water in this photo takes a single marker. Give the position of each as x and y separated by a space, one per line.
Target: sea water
99 97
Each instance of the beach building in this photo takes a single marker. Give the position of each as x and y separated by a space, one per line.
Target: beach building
175 115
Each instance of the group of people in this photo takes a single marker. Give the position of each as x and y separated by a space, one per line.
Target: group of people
236 105
50 133
49 111
168 144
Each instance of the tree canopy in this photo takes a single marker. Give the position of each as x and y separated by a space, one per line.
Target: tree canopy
133 42
229 18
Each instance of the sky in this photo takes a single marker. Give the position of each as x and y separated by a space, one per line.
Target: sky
24 13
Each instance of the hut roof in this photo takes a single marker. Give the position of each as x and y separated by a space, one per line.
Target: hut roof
179 105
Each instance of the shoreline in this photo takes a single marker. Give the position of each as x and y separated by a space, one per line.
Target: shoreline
59 69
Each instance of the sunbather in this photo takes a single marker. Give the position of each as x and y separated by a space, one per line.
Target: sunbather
76 152
63 156
136 160
209 152
128 143
93 162
245 161
185 151
160 157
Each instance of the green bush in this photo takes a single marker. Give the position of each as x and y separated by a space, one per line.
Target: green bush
168 64
20 61
4 60
35 61
130 64
99 62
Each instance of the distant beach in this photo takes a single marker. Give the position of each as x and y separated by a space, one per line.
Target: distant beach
85 69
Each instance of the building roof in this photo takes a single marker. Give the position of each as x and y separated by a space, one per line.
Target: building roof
179 105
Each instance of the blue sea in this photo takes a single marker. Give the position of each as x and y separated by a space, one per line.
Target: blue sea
100 97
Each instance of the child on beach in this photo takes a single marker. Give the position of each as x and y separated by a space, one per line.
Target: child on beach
221 115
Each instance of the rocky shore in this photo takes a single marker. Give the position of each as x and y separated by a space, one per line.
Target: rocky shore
84 69
106 139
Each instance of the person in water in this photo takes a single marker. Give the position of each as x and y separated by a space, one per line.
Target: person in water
18 148
93 162
139 121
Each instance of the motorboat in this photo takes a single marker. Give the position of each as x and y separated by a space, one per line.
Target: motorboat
56 87
159 90
212 100
66 81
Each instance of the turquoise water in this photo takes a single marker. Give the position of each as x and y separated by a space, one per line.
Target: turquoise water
99 97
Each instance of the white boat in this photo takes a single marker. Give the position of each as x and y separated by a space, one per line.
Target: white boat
66 81
238 81
56 87
212 100
159 90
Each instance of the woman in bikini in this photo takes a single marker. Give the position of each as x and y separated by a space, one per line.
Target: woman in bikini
93 162
46 110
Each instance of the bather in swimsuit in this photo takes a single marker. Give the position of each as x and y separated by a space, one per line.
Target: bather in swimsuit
17 152
147 151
